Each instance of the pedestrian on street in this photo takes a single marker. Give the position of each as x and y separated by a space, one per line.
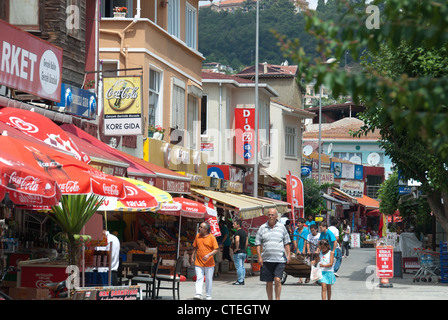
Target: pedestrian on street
239 255
205 247
325 261
327 234
337 251
313 240
273 251
346 238
299 238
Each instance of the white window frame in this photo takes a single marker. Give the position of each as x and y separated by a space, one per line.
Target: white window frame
158 112
178 93
290 142
192 121
191 26
174 18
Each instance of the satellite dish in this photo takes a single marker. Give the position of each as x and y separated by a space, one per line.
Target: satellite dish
356 159
373 159
307 150
330 148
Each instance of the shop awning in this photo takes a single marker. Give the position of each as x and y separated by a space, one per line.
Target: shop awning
368 202
133 170
247 209
274 177
166 179
282 206
342 195
100 158
140 169
330 198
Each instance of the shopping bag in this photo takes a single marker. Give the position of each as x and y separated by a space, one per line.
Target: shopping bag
316 273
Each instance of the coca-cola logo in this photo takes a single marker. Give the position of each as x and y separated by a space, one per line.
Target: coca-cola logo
111 190
122 94
28 183
70 187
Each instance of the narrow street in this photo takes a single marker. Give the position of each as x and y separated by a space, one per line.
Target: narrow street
355 282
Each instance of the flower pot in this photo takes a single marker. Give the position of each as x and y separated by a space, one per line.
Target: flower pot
119 14
150 134
158 135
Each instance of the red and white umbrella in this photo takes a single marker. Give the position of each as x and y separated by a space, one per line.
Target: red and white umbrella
212 218
42 128
136 199
72 176
184 207
25 185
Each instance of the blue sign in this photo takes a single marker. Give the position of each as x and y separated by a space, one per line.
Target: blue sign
359 173
78 101
306 172
215 172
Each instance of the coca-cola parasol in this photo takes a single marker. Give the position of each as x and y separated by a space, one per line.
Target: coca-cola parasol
137 199
42 128
25 185
72 176
185 207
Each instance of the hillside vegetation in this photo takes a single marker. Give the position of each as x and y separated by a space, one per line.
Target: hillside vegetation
229 38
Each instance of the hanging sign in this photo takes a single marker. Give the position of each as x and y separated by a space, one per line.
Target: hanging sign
245 132
122 101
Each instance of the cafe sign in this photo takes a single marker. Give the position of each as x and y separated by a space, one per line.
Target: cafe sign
29 64
122 101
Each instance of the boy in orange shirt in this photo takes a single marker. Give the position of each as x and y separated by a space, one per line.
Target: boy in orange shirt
205 247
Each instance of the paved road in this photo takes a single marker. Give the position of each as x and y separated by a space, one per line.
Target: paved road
356 281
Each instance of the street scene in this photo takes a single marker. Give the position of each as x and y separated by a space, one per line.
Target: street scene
189 151
356 281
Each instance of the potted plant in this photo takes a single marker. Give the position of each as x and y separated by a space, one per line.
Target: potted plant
120 12
156 132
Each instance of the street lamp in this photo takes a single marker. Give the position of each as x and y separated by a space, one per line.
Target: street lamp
329 61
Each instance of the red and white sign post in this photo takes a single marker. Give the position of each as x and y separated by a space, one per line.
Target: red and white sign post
385 265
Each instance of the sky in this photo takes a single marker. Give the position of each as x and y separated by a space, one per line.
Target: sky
313 3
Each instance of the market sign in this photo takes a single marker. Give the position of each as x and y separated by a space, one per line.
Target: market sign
29 64
122 106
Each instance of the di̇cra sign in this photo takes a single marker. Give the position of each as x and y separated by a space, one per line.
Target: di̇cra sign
29 64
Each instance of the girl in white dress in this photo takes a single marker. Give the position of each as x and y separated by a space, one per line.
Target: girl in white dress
325 262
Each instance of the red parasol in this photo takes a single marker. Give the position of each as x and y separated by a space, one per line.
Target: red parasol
185 207
72 176
135 199
42 128
25 185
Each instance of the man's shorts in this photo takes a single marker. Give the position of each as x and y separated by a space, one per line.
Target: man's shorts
271 270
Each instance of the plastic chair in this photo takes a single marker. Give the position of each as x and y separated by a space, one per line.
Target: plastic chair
148 279
174 279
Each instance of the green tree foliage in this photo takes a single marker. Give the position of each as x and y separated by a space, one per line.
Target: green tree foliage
405 85
229 38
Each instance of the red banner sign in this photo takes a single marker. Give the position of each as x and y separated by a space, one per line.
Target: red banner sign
385 261
245 133
29 64
294 194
